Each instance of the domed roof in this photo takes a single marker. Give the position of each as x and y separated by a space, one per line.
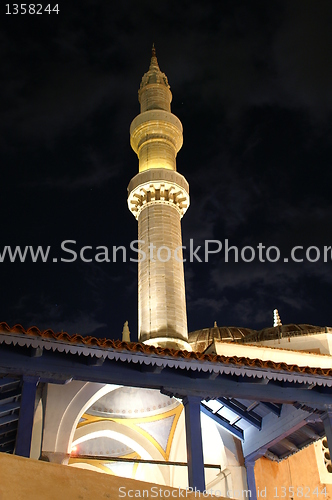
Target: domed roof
201 339
291 330
132 402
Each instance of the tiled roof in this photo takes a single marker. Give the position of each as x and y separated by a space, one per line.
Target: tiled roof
137 347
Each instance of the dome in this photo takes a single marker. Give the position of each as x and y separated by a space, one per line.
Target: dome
201 339
103 446
291 330
132 402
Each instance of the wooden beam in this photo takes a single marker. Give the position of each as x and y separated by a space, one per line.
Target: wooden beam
36 352
251 481
289 445
7 383
252 418
94 361
59 368
275 408
236 431
27 412
194 443
274 429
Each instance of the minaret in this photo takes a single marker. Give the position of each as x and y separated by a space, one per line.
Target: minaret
158 196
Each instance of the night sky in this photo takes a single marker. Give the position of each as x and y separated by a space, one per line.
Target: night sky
252 86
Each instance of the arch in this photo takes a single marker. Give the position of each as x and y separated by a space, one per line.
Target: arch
130 438
65 406
124 434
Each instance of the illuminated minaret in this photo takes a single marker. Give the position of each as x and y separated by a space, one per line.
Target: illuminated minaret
158 196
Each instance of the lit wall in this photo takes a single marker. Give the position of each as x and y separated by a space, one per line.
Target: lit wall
300 471
28 479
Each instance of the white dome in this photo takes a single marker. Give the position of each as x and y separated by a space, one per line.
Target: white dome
103 446
132 402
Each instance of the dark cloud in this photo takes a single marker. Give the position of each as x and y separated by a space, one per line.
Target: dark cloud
99 172
303 53
44 313
67 98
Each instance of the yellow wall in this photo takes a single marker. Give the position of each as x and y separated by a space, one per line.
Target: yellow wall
299 470
28 479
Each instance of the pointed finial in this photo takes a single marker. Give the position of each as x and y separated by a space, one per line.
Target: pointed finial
154 63
215 325
125 332
276 318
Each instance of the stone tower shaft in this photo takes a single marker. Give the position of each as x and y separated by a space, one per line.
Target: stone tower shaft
158 196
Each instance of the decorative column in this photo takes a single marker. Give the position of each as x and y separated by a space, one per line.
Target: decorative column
195 459
26 417
158 196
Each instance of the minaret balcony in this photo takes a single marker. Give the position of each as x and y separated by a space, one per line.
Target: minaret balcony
158 186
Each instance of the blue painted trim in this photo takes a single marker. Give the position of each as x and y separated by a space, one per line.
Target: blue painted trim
192 408
275 408
249 416
251 481
236 431
27 413
274 429
61 369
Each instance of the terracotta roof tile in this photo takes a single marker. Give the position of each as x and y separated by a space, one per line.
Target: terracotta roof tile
161 351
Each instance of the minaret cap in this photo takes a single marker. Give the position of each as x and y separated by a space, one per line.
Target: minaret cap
154 75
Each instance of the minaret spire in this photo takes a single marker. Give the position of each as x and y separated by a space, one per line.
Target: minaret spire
158 196
154 62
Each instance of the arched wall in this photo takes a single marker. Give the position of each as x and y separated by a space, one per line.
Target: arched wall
127 435
131 438
64 408
67 403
